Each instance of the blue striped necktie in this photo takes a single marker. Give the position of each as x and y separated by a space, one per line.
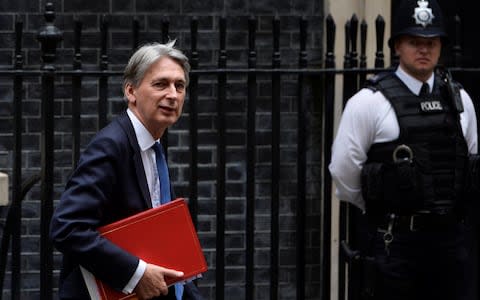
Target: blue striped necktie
165 196
162 173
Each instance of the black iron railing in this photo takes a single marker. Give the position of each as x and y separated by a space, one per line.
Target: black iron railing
315 86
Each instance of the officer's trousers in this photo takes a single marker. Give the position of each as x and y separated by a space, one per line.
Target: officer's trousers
422 265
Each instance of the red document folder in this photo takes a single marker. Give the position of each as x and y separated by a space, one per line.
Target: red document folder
163 236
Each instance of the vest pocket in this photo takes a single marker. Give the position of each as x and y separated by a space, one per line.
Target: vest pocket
391 188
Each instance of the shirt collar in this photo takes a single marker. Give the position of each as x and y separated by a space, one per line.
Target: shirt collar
145 139
411 82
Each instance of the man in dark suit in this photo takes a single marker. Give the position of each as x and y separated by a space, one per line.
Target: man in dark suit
117 177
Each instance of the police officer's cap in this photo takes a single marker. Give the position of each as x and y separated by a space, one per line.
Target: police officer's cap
421 18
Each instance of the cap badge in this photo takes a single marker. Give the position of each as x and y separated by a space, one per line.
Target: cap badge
423 15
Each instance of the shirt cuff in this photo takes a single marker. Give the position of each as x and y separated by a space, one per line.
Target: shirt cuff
135 278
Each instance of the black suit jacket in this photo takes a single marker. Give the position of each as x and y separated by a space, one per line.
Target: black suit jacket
109 184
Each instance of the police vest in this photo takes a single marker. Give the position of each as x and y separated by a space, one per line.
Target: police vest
424 169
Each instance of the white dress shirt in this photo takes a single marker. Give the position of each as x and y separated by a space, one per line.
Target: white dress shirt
145 142
369 118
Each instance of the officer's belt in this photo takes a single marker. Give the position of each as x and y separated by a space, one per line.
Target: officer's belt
421 222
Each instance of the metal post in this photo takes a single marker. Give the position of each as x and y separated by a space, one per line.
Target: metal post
251 140
103 80
221 158
76 94
16 206
380 31
164 139
275 148
328 115
48 36
193 129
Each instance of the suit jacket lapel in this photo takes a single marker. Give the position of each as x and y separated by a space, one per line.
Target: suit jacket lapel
126 124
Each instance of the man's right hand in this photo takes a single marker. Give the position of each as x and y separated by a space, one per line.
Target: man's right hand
152 284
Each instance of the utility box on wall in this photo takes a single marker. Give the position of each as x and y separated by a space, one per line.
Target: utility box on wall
3 189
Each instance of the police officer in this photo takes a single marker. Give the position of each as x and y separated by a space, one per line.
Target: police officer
401 157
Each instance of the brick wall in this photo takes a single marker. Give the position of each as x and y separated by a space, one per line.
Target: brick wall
150 14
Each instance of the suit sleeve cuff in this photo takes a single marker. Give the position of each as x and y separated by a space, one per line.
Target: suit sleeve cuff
136 277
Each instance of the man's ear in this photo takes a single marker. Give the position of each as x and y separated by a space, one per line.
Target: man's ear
129 92
396 44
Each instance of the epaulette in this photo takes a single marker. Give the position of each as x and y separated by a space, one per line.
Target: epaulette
372 82
442 73
458 85
453 87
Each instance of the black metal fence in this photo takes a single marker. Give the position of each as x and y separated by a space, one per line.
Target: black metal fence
314 104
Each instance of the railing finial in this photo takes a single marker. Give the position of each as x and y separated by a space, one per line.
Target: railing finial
49 12
48 36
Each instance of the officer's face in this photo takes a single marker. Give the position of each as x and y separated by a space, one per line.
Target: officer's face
418 55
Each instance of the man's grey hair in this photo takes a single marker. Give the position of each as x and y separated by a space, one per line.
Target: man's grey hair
147 55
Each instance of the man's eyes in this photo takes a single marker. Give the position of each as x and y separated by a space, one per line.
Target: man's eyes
179 86
415 43
159 84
